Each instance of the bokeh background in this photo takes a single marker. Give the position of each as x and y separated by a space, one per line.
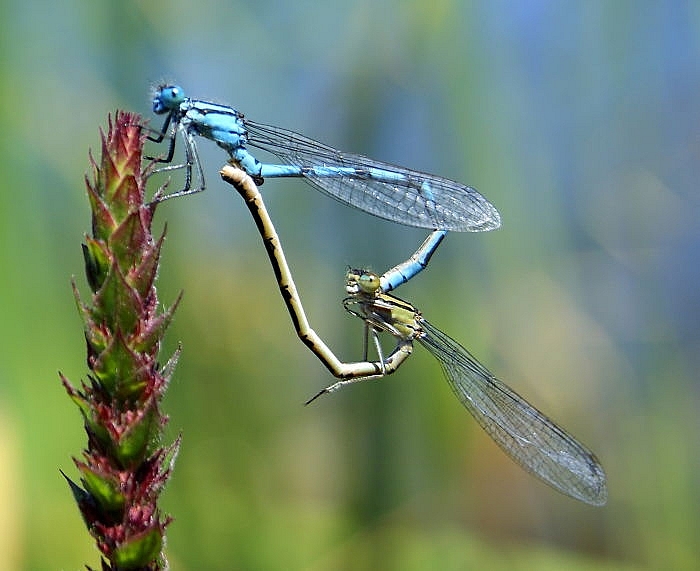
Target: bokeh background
579 121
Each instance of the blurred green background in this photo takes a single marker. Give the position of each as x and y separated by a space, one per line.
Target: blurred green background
579 121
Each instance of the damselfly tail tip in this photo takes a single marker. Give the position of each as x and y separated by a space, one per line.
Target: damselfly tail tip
313 398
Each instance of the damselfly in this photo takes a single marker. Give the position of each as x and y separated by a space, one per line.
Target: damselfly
525 434
391 192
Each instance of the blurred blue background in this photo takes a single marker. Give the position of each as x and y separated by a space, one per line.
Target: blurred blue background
579 121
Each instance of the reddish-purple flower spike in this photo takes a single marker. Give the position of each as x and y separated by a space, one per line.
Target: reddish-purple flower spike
123 470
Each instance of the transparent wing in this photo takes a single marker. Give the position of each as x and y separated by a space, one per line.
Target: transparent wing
405 196
524 433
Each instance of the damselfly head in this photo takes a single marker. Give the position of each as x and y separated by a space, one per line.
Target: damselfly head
361 281
167 98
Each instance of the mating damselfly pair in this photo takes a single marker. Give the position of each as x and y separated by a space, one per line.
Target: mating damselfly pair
400 195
